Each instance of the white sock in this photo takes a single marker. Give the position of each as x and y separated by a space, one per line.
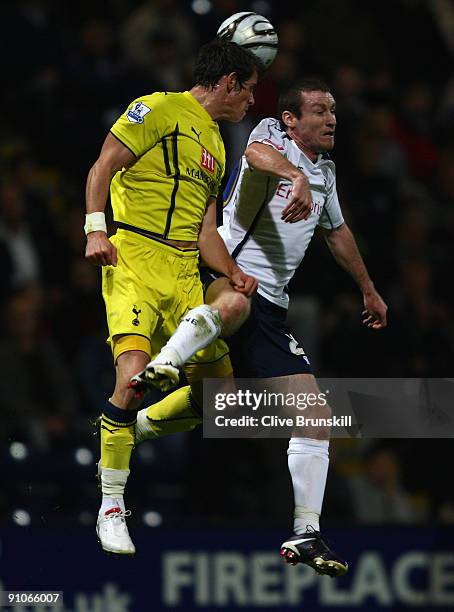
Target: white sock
308 462
111 502
197 330
144 431
113 483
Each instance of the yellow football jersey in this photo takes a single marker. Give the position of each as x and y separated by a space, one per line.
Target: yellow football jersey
180 164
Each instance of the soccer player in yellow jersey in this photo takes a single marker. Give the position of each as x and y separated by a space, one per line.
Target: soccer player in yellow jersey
164 161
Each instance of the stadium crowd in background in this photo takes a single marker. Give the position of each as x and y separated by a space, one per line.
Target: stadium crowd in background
395 159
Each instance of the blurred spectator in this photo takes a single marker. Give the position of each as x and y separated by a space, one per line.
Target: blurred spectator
378 495
152 29
166 69
289 66
445 118
16 236
424 323
348 84
338 503
415 128
37 395
93 85
379 152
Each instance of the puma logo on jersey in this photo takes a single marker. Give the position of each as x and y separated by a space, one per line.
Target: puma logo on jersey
110 430
196 133
208 162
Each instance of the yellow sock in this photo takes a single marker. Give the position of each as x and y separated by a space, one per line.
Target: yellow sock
117 440
173 414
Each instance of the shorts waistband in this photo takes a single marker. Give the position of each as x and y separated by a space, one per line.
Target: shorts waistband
269 307
154 242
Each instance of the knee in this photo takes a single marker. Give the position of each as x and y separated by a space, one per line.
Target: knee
321 412
234 312
128 365
324 411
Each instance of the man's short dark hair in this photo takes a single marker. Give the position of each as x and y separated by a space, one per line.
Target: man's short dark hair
219 58
290 99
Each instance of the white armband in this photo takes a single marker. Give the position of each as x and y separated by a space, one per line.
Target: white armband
95 222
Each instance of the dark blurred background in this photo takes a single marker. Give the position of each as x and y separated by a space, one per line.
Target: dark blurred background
68 71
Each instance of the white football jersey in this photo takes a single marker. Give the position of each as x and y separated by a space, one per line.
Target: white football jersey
261 243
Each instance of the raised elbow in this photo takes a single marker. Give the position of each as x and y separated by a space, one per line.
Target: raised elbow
247 154
251 155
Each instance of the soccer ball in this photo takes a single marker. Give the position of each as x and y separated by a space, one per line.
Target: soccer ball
252 31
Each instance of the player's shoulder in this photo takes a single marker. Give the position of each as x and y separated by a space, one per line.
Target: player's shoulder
270 123
141 108
269 131
327 163
160 99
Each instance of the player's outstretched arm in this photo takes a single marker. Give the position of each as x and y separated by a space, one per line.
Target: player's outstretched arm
113 157
215 254
268 160
342 245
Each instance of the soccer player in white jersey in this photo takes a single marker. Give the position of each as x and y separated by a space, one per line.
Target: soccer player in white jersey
268 224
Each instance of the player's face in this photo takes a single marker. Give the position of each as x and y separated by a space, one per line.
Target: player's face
314 130
240 98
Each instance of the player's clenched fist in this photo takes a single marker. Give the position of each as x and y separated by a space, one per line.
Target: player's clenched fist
100 251
244 283
300 205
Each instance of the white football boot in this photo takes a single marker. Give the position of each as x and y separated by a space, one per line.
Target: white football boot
113 532
163 376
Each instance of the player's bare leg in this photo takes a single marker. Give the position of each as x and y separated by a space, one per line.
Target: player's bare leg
233 307
117 429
